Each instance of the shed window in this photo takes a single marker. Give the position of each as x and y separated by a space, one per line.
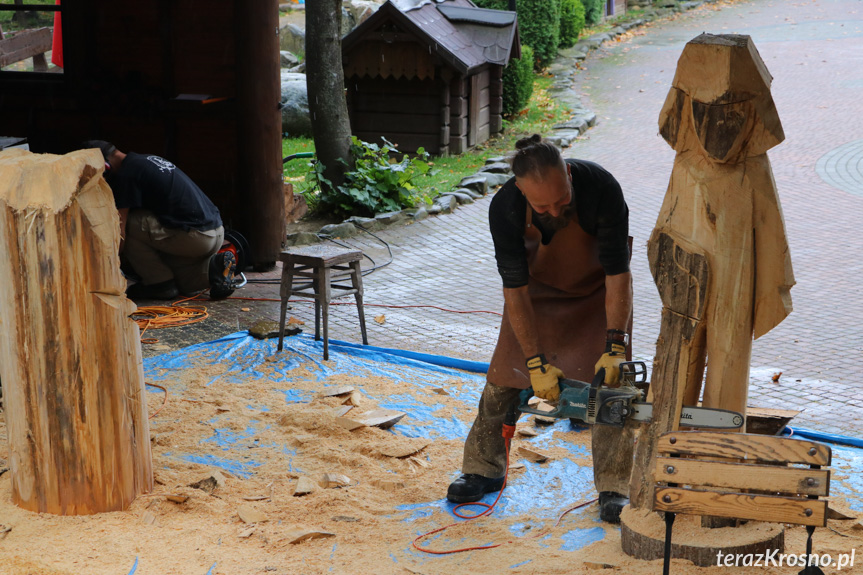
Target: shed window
31 37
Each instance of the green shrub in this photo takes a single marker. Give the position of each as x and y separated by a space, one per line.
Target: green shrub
375 185
593 11
518 82
538 25
571 22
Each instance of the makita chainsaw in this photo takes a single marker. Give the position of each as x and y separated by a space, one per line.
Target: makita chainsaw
592 403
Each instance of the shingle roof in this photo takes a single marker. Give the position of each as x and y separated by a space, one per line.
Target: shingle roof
462 34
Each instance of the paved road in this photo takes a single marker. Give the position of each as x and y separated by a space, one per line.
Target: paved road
815 52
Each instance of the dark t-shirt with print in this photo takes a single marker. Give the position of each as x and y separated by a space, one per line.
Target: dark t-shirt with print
602 212
155 184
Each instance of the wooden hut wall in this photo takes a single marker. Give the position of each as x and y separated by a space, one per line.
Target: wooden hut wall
405 112
480 108
126 63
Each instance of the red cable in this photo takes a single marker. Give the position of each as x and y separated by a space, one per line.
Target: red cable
508 433
371 305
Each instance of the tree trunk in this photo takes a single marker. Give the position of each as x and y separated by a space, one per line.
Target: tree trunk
70 356
326 88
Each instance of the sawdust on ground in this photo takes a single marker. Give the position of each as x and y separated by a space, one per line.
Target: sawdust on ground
368 520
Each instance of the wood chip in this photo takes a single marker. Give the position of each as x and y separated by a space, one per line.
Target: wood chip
249 514
419 461
345 518
533 401
594 565
403 449
305 485
177 498
335 480
532 455
380 319
440 391
516 466
221 409
342 409
256 497
245 309
353 399
383 418
338 390
544 420
4 530
246 533
840 511
349 424
148 518
527 432
388 484
298 534
544 406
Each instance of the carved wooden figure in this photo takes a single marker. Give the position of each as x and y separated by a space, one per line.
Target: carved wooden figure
720 223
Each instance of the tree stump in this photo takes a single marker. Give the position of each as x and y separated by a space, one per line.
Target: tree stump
642 535
70 356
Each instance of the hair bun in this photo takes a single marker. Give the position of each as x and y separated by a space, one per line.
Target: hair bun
528 142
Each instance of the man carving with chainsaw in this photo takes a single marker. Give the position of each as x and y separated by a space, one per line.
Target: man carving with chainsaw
561 238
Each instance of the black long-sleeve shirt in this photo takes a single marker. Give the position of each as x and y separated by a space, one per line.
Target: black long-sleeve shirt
602 212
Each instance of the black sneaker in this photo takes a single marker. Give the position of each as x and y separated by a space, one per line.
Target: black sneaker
162 290
471 487
610 506
223 266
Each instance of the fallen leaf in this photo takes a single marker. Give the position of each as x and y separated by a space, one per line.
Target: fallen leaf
294 321
245 309
381 319
775 377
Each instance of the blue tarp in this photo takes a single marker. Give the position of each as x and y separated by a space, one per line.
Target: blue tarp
243 357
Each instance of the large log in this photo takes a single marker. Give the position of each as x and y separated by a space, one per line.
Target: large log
70 356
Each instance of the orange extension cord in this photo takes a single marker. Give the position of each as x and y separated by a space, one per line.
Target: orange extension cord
508 433
162 316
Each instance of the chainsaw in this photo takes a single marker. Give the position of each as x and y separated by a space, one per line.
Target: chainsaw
592 403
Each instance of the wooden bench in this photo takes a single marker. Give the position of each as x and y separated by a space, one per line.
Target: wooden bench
741 476
17 46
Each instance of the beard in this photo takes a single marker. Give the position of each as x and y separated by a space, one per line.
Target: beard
554 224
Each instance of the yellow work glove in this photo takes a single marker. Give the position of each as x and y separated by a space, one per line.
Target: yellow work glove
610 360
544 378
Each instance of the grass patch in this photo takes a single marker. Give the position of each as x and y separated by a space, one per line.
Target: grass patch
538 118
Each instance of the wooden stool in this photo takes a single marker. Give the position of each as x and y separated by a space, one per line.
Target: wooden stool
324 265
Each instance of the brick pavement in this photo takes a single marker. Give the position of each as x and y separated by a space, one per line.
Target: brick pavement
815 52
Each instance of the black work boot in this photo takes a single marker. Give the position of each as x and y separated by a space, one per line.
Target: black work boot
471 487
610 506
223 266
162 290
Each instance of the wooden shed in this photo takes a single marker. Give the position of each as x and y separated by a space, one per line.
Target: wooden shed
428 73
194 81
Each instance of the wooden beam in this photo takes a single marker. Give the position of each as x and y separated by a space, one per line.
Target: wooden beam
770 478
746 446
742 506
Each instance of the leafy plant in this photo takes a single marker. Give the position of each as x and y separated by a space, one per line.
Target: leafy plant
518 79
571 22
375 185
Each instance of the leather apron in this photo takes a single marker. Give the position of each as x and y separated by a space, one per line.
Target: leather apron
567 289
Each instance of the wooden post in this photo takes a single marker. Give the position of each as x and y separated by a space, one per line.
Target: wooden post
70 356
260 142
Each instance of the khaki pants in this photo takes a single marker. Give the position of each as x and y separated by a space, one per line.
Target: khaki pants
159 254
485 448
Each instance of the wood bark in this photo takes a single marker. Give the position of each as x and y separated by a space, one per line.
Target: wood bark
325 81
70 356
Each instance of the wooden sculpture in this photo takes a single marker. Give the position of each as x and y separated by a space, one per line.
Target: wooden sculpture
70 356
718 253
